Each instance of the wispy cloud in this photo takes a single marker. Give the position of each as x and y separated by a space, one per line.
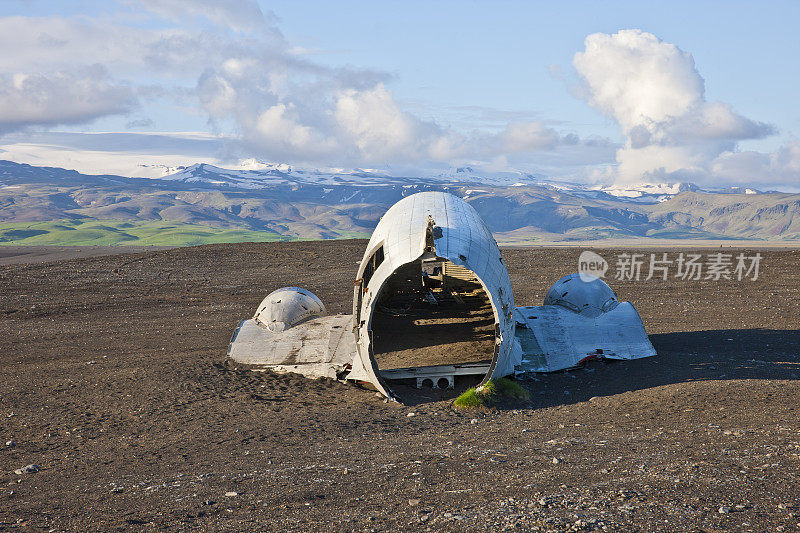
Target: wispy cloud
228 61
62 97
231 59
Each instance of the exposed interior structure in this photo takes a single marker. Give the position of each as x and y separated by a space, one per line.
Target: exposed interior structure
430 316
432 301
427 244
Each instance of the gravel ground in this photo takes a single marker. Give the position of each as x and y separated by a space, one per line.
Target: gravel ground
114 384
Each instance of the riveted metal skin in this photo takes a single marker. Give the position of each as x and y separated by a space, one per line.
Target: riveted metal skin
287 307
434 225
581 317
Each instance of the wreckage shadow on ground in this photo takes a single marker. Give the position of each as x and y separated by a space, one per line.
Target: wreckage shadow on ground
732 354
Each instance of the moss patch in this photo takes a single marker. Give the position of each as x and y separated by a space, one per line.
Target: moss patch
496 392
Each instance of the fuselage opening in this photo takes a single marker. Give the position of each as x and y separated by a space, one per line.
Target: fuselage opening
433 328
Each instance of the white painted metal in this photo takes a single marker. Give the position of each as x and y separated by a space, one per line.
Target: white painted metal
287 307
463 369
319 347
582 293
581 319
457 234
581 316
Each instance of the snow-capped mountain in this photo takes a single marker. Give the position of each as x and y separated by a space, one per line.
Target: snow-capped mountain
255 174
290 202
661 192
651 189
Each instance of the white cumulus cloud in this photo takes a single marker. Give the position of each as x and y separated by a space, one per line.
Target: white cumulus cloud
228 61
375 124
781 168
655 93
279 128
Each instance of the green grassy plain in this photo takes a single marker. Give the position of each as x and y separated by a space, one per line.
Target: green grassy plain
92 232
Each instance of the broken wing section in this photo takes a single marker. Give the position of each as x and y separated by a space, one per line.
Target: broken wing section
320 347
552 337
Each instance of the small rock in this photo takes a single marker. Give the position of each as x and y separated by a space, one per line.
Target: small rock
412 413
413 502
10 443
116 489
473 421
724 510
27 469
346 471
91 362
556 460
231 494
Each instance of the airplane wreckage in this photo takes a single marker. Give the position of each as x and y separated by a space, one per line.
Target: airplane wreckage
432 301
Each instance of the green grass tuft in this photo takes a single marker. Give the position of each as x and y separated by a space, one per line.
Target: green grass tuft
470 399
496 391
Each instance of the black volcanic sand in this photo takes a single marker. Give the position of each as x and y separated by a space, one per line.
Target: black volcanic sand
114 382
11 254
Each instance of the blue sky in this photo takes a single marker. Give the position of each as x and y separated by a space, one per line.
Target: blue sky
704 91
499 54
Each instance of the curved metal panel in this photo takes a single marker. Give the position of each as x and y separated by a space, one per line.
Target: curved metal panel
446 227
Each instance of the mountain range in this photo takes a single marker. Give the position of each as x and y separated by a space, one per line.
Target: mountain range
260 201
